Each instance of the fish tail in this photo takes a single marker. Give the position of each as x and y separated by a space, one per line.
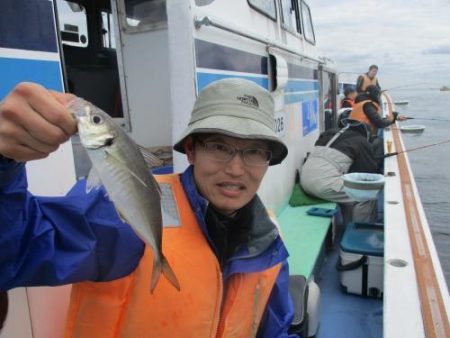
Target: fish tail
162 266
169 274
156 273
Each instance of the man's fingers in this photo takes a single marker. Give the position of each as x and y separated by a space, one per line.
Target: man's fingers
50 106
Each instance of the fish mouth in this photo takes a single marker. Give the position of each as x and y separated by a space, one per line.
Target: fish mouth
109 142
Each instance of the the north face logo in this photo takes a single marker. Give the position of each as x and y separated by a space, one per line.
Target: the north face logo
249 100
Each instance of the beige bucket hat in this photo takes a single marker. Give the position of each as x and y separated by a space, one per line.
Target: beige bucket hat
239 108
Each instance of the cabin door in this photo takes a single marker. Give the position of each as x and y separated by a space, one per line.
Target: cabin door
144 68
328 97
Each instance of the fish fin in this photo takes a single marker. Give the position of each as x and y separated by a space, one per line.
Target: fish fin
124 166
93 180
164 267
150 158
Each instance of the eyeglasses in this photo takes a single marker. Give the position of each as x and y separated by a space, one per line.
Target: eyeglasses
223 152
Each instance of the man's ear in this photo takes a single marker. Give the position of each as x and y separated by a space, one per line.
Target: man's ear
189 149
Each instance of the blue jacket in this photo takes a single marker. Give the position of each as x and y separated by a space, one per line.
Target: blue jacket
79 237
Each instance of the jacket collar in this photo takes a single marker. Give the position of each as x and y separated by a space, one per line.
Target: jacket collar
263 231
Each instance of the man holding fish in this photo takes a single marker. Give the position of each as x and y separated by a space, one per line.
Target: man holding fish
224 263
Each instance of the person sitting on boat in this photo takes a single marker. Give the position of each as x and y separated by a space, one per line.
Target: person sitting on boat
367 110
335 153
367 79
226 252
347 104
349 98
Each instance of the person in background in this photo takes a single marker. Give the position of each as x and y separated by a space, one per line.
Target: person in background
347 104
367 79
368 111
349 98
338 152
226 252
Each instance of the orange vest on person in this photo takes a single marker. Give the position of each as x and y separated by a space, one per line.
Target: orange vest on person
367 81
358 114
203 308
349 101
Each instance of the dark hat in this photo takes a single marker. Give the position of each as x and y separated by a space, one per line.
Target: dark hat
374 92
238 108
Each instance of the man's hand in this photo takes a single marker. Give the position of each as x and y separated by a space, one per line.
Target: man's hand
402 117
34 122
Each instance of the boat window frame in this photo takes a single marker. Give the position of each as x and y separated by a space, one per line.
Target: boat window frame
298 25
310 22
253 4
149 26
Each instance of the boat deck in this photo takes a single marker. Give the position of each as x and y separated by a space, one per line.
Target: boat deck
344 315
313 244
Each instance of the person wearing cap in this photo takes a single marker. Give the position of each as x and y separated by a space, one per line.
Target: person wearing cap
349 98
226 251
367 79
368 111
335 153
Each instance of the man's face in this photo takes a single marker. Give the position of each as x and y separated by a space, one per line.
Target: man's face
372 73
228 186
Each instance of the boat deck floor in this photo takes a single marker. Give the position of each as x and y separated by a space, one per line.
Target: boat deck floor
344 315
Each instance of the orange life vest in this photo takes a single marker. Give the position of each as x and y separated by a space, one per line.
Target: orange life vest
367 81
203 308
358 114
349 101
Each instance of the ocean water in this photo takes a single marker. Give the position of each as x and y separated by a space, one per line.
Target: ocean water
431 165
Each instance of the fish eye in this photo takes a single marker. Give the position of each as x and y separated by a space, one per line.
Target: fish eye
97 119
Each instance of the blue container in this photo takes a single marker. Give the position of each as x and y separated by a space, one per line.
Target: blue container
364 239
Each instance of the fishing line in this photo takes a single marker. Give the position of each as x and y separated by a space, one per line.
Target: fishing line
416 148
427 119
412 85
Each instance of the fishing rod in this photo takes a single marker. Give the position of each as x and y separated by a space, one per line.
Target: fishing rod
427 119
416 148
412 85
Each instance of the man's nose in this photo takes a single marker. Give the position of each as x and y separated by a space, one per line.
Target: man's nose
236 165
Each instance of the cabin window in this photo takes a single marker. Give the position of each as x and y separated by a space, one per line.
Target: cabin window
291 17
203 2
266 7
72 23
308 29
143 15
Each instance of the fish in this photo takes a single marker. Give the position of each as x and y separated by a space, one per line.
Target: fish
118 165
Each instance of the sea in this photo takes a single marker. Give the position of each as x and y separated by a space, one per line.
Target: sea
430 107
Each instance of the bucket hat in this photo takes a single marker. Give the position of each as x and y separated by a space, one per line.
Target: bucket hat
238 108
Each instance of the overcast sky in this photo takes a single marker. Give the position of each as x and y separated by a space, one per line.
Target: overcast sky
408 39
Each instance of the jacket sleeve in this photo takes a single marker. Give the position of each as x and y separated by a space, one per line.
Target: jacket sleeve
375 118
279 312
359 83
60 240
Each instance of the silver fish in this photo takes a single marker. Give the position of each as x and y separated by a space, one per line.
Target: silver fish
119 165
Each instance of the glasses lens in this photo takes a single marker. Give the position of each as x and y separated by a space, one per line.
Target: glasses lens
257 156
218 151
223 152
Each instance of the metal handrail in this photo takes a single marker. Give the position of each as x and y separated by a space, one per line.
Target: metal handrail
206 21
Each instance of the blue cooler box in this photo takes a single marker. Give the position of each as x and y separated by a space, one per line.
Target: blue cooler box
361 260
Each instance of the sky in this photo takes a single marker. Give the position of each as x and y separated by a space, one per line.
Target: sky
409 40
